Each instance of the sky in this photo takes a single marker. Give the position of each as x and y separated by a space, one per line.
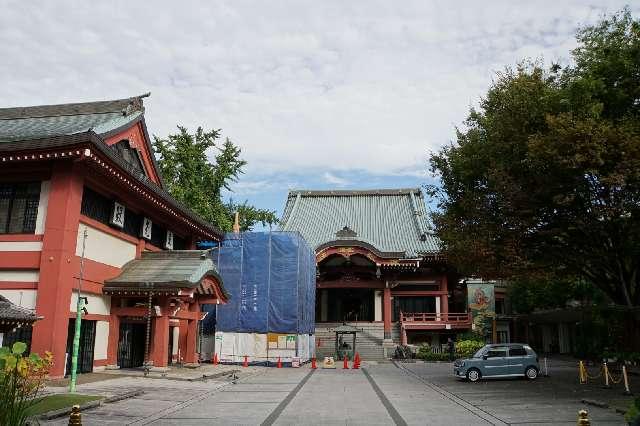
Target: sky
327 94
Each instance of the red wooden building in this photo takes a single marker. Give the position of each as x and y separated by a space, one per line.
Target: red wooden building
81 179
379 268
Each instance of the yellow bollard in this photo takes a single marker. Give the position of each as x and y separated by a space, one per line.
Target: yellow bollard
75 418
582 373
606 375
626 380
583 420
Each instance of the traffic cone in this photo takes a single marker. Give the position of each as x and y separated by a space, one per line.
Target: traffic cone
313 363
345 362
356 361
279 363
215 358
246 361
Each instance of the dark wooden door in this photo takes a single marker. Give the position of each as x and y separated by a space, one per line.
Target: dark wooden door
131 345
87 343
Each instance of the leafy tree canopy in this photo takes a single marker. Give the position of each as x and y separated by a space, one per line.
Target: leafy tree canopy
543 181
196 182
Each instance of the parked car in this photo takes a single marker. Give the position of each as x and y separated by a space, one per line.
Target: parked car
500 360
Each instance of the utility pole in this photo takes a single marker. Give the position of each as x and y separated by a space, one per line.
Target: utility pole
79 307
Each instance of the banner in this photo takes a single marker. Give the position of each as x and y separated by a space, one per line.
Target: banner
482 304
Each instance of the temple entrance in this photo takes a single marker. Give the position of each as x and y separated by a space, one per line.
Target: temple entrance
345 304
131 344
85 350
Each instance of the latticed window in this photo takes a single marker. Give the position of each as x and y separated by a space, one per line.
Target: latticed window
19 207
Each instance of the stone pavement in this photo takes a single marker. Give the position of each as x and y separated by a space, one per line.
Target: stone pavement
378 394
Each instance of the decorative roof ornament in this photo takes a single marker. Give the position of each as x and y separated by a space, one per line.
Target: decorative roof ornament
346 232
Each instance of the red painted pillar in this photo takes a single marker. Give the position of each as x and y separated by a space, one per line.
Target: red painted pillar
182 339
56 264
190 355
160 339
444 299
114 336
386 312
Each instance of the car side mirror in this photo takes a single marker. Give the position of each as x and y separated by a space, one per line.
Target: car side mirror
484 357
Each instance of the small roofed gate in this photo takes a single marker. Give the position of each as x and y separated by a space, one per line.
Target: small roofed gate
163 291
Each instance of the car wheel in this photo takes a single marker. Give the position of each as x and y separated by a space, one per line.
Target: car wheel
473 375
531 373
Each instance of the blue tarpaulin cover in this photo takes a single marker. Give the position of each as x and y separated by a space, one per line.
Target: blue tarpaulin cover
270 277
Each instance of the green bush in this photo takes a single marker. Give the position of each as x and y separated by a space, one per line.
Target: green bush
424 353
21 378
466 348
633 413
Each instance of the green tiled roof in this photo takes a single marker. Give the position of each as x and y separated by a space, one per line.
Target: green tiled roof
165 270
391 220
25 123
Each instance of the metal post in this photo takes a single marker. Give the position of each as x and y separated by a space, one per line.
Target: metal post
148 335
626 380
78 324
546 370
606 375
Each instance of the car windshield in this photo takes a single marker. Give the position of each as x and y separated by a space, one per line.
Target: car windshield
479 353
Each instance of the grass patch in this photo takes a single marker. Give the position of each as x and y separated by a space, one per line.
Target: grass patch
54 402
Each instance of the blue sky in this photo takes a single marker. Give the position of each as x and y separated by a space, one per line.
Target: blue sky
319 95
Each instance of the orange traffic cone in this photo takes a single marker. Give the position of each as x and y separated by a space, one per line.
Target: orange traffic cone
345 362
313 363
246 361
279 363
215 358
356 361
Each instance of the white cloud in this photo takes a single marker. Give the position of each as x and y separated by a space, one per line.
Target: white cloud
332 179
332 86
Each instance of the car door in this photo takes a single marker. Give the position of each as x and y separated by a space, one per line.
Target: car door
516 360
495 362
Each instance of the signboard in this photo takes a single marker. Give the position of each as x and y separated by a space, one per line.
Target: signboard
281 341
482 304
145 230
168 241
117 215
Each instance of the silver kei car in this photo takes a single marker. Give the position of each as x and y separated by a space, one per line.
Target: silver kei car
499 360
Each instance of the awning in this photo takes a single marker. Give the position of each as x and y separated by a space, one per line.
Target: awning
12 315
171 273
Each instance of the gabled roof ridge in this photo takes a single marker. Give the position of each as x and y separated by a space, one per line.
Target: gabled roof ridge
352 192
125 106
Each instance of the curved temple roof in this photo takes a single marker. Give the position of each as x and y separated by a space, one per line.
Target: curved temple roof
11 314
168 271
391 220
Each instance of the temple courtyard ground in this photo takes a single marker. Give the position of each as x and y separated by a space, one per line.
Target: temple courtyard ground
385 394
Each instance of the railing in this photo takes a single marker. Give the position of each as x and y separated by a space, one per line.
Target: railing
424 317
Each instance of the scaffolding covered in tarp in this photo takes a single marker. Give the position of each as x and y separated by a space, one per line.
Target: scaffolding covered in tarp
270 279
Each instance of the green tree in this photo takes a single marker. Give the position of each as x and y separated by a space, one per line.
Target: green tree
196 182
543 181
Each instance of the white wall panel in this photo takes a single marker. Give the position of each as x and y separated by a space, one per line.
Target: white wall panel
20 245
100 305
102 340
29 276
43 206
104 248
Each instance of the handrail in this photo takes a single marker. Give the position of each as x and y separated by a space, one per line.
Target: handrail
435 317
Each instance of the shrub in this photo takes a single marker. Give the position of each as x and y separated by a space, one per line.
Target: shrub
21 378
424 352
633 413
466 348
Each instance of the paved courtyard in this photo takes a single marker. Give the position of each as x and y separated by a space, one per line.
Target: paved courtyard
384 394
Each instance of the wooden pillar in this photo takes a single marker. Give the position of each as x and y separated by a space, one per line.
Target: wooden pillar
114 337
182 340
444 300
160 336
190 355
386 296
57 263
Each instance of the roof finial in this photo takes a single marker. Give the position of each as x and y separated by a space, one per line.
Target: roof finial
236 224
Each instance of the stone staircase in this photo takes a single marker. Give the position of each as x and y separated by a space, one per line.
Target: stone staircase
368 341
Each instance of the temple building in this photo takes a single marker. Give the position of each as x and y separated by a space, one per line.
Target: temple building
379 268
84 213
